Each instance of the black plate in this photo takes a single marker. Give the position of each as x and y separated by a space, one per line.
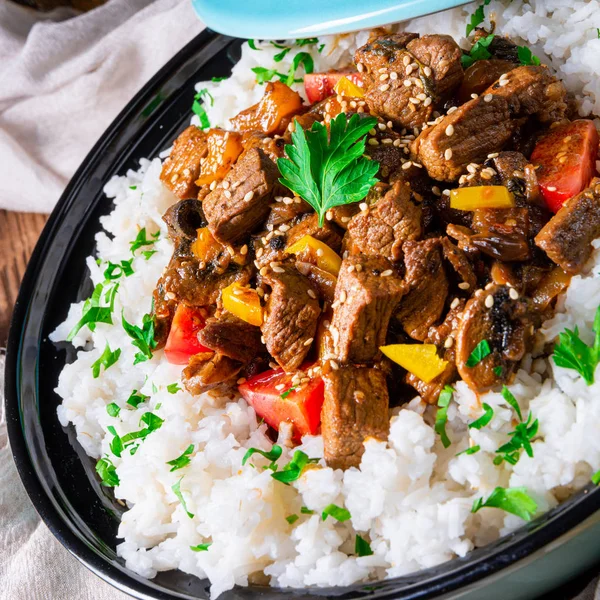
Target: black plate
58 476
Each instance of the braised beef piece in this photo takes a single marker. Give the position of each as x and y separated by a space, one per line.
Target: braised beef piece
424 302
232 337
368 290
181 169
460 264
431 64
322 281
240 203
567 237
208 370
485 124
291 316
184 218
163 311
384 227
282 213
273 147
480 75
355 408
506 320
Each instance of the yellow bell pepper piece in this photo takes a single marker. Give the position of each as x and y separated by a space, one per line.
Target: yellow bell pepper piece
345 87
481 196
243 303
324 257
205 247
419 359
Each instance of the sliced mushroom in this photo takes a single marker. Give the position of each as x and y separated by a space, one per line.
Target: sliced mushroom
184 219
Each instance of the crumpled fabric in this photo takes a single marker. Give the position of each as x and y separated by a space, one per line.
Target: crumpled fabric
65 76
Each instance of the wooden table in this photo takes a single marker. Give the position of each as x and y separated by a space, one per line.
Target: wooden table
18 235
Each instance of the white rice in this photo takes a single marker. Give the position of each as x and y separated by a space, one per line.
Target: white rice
411 497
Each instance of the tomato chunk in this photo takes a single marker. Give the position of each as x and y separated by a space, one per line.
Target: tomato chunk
300 406
565 161
183 337
319 86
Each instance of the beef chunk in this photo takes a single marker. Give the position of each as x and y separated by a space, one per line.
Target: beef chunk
423 304
367 292
567 237
431 64
507 326
181 169
384 227
163 311
322 281
231 337
208 370
480 75
355 408
274 148
291 317
485 124
241 202
460 263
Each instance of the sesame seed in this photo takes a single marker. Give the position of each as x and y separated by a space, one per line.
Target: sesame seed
407 83
493 155
449 342
446 192
489 301
241 380
350 268
373 142
419 83
311 294
334 365
451 110
551 188
471 169
384 88
227 194
393 75
383 77
308 342
360 67
513 294
226 185
406 60
278 269
450 130
283 228
387 141
503 82
342 297
363 206
562 159
264 271
397 142
448 154
414 100
213 185
320 252
427 101
280 386
436 190
455 303
421 97
488 98
249 195
244 250
409 69
464 285
504 76
359 268
474 96
406 165
387 273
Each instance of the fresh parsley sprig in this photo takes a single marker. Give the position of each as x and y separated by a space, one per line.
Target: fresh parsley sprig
477 18
441 417
106 359
183 460
294 469
329 170
93 312
143 337
512 500
519 438
107 472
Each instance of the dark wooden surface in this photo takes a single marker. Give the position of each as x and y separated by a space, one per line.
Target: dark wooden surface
18 235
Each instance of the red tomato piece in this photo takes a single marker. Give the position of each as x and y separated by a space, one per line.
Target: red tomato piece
565 161
319 86
301 406
183 337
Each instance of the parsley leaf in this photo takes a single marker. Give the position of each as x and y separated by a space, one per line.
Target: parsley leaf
107 359
92 312
510 399
573 353
498 371
338 513
116 445
281 55
306 511
441 417
513 500
143 338
135 399
252 44
477 17
527 57
141 240
114 270
294 469
173 388
362 547
183 460
177 490
113 409
479 353
307 41
200 111
596 475
484 419
107 472
218 79
292 519
263 75
304 59
330 170
472 450
273 454
285 394
201 547
520 438
148 253
479 51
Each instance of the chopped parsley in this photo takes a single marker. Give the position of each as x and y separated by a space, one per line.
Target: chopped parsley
200 111
107 472
307 41
301 59
93 312
512 500
273 454
142 240
263 75
116 445
114 270
143 338
292 519
484 419
177 490
113 409
336 512
510 399
200 547
148 253
135 399
119 443
306 511
441 417
498 371
281 55
479 353
329 171
173 388
362 547
107 359
294 469
218 79
183 460
572 352
596 478
479 51
285 394
527 57
477 17
252 44
304 59
133 187
520 438
471 450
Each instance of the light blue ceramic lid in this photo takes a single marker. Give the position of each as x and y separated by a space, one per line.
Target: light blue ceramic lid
283 19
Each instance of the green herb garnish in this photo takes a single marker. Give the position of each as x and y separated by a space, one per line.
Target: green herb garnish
92 312
306 511
148 253
479 51
477 17
484 419
107 359
114 270
479 353
294 469
512 500
281 55
107 472
520 438
143 338
336 512
596 478
116 445
273 454
292 519
201 547
183 460
330 170
200 111
218 79
173 388
136 399
527 57
573 353
304 59
471 450
113 409
252 44
510 399
142 240
288 392
441 417
362 547
498 371
263 75
307 41
177 490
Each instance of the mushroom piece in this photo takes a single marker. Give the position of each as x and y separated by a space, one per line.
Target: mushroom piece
184 218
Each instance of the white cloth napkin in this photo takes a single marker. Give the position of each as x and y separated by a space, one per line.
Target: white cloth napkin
65 77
